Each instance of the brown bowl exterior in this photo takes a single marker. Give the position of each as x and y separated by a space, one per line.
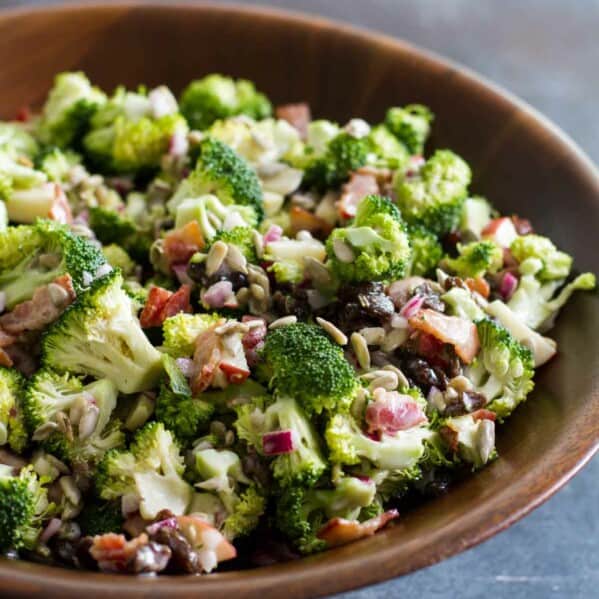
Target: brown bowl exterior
520 161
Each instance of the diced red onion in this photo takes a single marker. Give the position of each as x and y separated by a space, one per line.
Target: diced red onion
185 365
412 306
217 295
178 144
51 529
168 523
274 233
278 443
509 283
180 271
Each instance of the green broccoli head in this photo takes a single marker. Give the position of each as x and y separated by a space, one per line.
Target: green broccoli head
71 103
23 508
242 238
503 369
375 246
16 137
390 151
245 514
304 465
17 174
217 97
476 259
470 440
32 256
344 154
181 331
12 427
117 257
152 469
223 173
185 416
411 125
100 517
555 264
57 163
434 196
99 335
300 361
301 512
426 250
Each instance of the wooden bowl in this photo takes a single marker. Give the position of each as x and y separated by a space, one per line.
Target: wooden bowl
521 162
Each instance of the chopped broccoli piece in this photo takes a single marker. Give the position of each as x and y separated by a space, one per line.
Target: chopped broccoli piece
476 215
20 142
242 238
391 153
220 171
287 257
304 465
462 304
12 427
411 125
426 250
81 414
476 259
473 440
17 174
23 508
301 513
117 257
32 256
99 335
151 469
374 247
555 264
300 361
181 331
185 416
71 104
245 513
503 369
100 517
434 196
57 163
215 97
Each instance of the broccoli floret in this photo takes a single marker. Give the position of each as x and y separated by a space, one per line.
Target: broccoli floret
12 427
99 335
434 196
242 238
343 155
223 173
217 97
555 264
374 247
304 465
152 470
426 250
472 440
128 134
181 331
461 303
23 508
476 259
100 517
503 369
348 444
185 416
15 137
57 163
411 125
301 513
67 112
391 153
17 174
82 429
32 256
287 257
117 257
301 361
476 215
245 513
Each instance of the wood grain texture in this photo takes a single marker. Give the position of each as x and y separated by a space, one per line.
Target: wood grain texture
520 162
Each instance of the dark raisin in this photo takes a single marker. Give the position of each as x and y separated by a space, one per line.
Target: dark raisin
238 280
431 298
422 374
522 225
183 556
196 271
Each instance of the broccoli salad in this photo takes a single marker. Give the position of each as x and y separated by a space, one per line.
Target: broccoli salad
232 333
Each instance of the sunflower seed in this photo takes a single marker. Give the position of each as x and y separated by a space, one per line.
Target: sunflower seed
316 271
70 489
282 322
360 348
236 260
257 291
343 252
402 380
242 295
89 421
460 383
385 379
218 252
335 334
303 236
58 294
394 339
258 244
485 442
373 335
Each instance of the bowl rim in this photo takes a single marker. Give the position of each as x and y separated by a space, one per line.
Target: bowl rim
303 578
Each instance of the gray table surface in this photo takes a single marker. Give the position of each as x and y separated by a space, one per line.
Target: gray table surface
547 52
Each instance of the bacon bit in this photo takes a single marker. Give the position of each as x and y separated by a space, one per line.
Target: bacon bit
206 358
339 531
523 226
6 339
450 436
358 186
5 359
60 211
234 373
178 302
113 552
181 244
483 414
391 412
223 549
303 220
41 310
162 304
23 114
456 331
480 285
383 176
297 115
253 340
